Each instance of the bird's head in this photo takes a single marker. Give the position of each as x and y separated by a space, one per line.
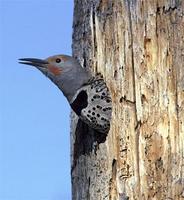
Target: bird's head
53 66
63 70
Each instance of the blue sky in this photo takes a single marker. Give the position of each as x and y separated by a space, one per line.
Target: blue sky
34 115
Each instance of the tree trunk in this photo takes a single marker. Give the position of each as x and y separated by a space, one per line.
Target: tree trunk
139 48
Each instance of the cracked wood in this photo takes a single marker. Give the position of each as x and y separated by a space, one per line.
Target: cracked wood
138 47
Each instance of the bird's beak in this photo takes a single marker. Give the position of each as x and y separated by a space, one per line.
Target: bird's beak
34 62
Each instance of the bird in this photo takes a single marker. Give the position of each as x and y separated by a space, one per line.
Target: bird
87 94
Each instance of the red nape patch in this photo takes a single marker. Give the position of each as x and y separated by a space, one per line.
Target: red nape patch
54 70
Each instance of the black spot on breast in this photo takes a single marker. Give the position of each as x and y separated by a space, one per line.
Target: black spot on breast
80 102
99 107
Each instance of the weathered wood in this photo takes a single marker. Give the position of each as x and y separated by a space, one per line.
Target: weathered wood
139 48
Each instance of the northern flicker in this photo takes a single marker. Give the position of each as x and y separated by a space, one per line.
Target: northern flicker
87 95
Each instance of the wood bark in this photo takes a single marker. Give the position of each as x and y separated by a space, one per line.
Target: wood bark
138 46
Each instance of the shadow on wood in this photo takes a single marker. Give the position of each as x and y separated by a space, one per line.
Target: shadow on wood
87 140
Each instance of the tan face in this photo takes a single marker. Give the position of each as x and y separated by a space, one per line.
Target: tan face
54 65
56 59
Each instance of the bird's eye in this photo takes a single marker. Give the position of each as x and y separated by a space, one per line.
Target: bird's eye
58 60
